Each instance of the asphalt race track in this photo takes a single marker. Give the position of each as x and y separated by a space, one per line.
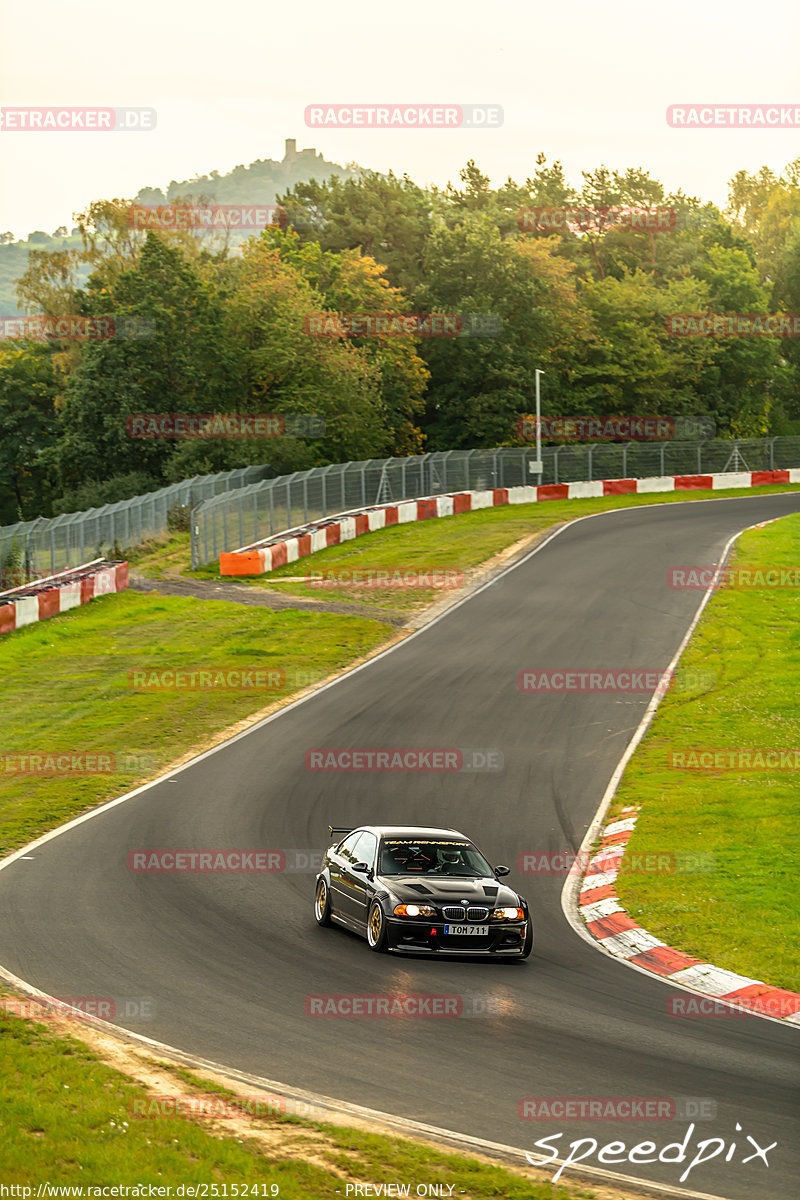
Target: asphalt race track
227 961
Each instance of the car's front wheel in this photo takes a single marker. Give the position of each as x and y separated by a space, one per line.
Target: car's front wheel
322 903
376 928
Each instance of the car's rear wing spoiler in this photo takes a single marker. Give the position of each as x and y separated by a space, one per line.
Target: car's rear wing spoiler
338 832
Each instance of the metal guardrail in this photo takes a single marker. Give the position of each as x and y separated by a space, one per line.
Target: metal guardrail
258 511
35 548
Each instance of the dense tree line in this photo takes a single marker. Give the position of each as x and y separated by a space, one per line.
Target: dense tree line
220 328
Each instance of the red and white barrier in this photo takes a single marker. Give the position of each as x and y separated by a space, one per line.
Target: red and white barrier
622 936
282 549
45 598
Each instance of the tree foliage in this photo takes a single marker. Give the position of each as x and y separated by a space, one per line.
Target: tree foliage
223 325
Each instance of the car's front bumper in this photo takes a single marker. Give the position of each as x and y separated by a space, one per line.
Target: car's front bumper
502 939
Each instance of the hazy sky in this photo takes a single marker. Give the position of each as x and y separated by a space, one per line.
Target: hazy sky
584 81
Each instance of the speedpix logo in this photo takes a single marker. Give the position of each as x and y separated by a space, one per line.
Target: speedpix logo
615 1153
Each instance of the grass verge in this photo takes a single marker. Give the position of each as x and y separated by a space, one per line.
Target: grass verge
68 689
738 908
67 1117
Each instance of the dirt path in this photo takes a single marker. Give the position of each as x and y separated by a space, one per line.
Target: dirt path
203 589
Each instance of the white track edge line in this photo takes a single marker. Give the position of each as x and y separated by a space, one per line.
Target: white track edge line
406 1126
342 1105
571 890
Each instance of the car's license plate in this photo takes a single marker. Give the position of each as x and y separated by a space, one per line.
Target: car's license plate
466 930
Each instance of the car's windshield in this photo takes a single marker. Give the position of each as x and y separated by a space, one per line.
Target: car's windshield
431 856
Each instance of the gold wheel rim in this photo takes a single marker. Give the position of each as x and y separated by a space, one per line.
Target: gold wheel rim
375 924
321 897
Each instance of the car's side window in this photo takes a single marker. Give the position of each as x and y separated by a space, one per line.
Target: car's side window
365 849
345 851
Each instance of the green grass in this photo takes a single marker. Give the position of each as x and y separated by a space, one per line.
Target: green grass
743 913
67 1118
160 557
63 1113
66 688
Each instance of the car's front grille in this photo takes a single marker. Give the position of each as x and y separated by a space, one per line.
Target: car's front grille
451 913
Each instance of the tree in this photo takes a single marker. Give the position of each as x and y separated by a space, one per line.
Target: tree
351 282
386 217
480 385
284 370
633 366
182 364
28 386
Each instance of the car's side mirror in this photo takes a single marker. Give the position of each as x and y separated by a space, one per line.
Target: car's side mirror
363 867
500 871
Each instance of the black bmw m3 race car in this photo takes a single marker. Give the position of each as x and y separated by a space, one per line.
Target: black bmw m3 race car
422 891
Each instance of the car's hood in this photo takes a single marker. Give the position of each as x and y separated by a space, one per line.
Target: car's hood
450 890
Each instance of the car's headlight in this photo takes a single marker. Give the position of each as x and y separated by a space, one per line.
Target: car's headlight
508 914
414 910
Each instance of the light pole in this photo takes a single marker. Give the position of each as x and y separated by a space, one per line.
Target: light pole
536 467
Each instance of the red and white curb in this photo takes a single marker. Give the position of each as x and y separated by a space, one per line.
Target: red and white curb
281 549
608 922
58 593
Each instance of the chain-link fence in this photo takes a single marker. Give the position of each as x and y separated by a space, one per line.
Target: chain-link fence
33 549
252 513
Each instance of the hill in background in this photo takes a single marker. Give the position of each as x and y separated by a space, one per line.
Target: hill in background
259 183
